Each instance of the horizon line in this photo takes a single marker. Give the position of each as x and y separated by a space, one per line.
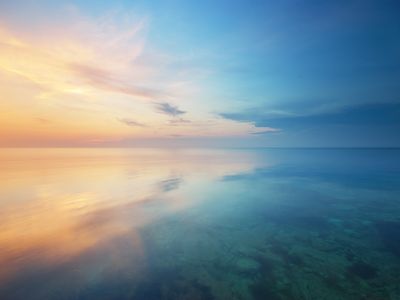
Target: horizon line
201 147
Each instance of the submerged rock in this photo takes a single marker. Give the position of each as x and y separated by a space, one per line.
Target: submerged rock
263 291
293 218
168 285
247 265
362 270
389 232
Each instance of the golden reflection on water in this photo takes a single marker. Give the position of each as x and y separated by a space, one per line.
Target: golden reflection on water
56 205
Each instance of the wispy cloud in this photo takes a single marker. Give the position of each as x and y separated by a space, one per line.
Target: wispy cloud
176 135
257 120
266 130
106 80
43 120
361 114
85 59
169 109
179 122
130 122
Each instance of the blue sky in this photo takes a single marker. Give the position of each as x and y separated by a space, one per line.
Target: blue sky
259 73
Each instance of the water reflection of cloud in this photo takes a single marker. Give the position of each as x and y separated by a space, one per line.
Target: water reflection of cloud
255 174
170 184
64 210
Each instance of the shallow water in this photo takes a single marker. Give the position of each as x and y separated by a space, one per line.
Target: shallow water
199 224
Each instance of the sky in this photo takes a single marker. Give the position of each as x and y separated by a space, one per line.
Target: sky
199 73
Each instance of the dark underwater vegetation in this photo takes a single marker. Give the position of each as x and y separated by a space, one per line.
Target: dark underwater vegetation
200 224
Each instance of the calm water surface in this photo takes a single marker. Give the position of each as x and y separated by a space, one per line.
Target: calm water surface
199 224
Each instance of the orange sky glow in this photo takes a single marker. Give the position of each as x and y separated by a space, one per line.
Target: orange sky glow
95 82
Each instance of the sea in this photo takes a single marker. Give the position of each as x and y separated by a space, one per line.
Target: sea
191 224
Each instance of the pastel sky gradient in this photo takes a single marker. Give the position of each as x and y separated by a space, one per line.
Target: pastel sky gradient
200 73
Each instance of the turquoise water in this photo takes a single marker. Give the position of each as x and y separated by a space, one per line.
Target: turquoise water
200 224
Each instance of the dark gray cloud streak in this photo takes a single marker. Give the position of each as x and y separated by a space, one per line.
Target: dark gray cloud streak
365 114
169 109
362 125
